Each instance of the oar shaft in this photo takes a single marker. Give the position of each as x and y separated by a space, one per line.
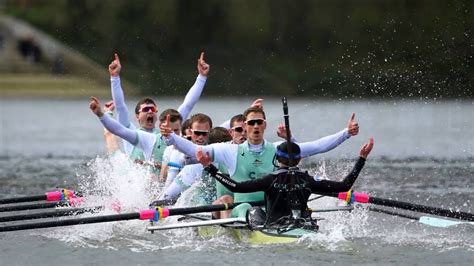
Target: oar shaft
23 207
422 208
209 208
408 216
87 220
39 215
23 199
154 214
365 198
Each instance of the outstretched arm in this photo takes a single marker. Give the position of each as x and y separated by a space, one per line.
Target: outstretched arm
327 186
194 93
255 185
330 142
183 145
117 92
112 125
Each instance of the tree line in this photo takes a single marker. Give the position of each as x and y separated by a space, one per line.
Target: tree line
337 49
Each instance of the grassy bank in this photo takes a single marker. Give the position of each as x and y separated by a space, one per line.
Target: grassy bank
46 85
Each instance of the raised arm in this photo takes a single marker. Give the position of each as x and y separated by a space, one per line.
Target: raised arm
330 142
346 184
194 93
117 92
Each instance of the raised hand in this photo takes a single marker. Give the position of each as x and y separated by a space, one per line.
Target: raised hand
202 66
353 126
94 105
257 103
165 128
365 150
204 159
115 66
281 131
109 106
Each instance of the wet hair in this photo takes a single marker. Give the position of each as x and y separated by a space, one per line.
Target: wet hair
142 101
254 110
219 134
200 118
174 115
282 154
237 118
186 124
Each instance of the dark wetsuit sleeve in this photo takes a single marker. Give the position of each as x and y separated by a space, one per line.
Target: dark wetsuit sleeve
333 186
259 184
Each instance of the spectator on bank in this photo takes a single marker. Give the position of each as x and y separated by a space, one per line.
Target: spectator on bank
29 49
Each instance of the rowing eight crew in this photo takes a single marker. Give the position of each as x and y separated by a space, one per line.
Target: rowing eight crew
243 161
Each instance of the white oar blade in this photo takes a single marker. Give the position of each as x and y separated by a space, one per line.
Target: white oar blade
438 222
195 224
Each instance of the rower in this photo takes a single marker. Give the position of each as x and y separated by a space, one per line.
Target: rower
288 188
200 126
205 192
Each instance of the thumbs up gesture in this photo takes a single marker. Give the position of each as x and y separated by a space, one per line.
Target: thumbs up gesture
353 126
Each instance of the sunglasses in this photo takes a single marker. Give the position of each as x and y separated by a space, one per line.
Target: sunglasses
255 121
238 129
147 109
200 132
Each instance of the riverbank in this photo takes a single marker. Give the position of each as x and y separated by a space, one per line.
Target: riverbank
57 86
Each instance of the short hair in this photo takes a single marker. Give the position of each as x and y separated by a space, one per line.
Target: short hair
254 110
174 115
142 101
282 154
237 118
200 118
186 124
219 134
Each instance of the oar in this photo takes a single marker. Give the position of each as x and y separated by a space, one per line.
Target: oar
44 205
60 195
365 198
431 221
49 214
152 214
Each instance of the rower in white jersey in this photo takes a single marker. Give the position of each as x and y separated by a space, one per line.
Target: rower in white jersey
176 160
205 190
166 164
200 127
146 110
254 157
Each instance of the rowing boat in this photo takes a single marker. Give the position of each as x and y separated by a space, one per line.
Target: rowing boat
239 229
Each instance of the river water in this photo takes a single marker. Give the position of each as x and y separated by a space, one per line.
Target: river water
424 153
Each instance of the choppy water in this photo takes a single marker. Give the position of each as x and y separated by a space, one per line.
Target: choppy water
423 154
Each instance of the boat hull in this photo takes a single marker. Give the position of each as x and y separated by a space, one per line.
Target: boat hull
256 237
